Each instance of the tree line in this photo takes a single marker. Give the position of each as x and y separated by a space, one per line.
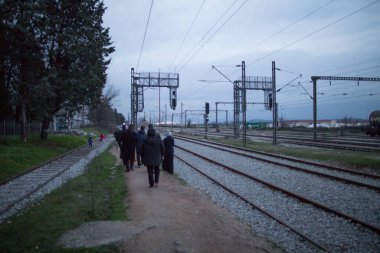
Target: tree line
53 56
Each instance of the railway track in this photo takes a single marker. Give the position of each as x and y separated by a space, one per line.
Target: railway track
348 176
320 209
25 188
337 142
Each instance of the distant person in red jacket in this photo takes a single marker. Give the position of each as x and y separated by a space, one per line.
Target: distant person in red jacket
101 138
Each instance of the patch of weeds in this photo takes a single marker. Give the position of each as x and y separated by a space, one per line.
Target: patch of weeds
98 194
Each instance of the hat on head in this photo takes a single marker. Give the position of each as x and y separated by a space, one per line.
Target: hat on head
151 132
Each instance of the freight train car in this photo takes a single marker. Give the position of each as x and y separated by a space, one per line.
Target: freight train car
374 123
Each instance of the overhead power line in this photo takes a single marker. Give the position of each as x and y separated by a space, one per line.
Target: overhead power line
345 66
146 29
209 39
187 33
216 22
280 31
314 32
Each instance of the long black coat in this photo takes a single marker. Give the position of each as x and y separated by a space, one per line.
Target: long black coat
152 151
169 153
128 144
169 145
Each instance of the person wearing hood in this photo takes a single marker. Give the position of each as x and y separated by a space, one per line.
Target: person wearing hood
152 152
128 146
169 153
141 136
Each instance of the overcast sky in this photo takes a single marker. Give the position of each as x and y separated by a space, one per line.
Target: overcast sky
319 37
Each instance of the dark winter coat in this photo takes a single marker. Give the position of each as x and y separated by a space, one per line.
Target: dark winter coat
141 136
169 153
169 145
117 135
152 150
128 144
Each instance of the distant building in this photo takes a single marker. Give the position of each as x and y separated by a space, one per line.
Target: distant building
65 121
324 123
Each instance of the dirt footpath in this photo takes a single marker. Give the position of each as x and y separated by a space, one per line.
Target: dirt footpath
170 218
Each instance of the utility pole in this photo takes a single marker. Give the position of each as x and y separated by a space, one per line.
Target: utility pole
240 93
181 112
185 117
274 103
244 102
159 107
166 114
207 111
337 78
144 80
216 112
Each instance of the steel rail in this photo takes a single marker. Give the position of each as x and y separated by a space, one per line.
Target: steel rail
285 158
295 230
292 194
321 174
39 185
28 194
3 182
319 143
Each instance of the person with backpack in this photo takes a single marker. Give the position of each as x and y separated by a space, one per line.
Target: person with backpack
152 152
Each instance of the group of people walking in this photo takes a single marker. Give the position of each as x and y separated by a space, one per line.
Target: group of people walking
149 149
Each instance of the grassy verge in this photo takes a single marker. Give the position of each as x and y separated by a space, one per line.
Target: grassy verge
17 156
96 195
94 130
368 161
347 159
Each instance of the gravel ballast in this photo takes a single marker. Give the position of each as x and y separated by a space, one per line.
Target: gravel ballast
335 233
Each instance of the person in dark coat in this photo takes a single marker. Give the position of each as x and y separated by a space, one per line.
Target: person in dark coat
128 147
150 126
141 136
117 135
122 132
169 153
152 152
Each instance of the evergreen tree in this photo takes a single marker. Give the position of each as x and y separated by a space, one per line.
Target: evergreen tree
54 55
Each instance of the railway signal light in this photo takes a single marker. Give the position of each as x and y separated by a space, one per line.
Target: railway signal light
270 102
173 103
207 108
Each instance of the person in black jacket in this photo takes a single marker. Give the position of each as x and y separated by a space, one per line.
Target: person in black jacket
169 153
152 152
117 135
141 136
128 147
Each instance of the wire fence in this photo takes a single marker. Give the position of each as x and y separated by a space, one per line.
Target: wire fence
13 128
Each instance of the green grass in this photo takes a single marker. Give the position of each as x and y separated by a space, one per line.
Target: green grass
17 156
94 130
367 161
96 195
348 159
